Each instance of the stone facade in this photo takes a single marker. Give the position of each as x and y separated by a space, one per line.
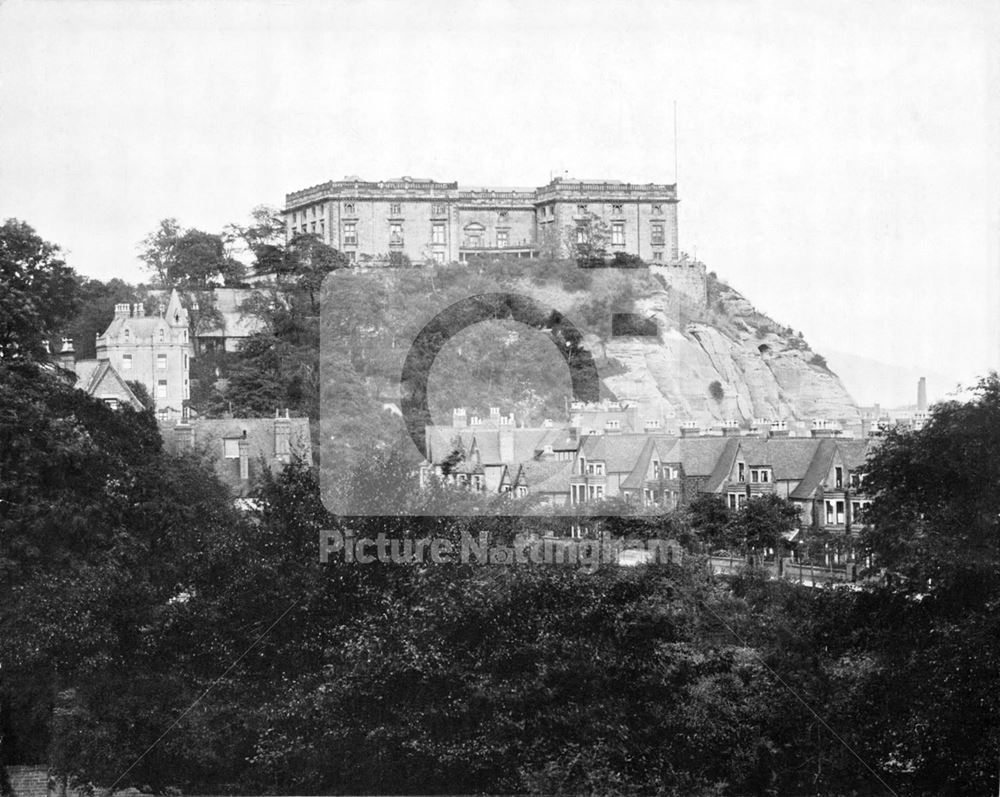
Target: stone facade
154 350
427 220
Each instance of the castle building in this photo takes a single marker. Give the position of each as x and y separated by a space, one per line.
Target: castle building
153 350
430 221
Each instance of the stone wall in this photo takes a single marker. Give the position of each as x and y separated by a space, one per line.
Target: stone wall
687 278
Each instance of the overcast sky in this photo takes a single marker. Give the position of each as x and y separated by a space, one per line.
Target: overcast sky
839 161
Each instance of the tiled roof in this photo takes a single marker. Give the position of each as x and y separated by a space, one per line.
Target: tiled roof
637 477
700 455
546 477
208 434
788 457
618 451
817 470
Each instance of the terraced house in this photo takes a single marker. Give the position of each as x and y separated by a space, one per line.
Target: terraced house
577 465
431 221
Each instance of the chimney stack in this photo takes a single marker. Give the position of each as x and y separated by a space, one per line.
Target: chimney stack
123 310
282 436
690 429
922 394
67 356
458 418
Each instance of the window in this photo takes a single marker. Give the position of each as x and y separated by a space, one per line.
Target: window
658 209
127 333
438 210
161 362
231 448
581 209
396 234
613 425
742 472
502 215
162 334
351 234
657 255
618 210
754 476
834 513
351 256
656 233
581 234
313 227
838 477
765 476
595 468
161 388
521 491
126 362
314 211
502 239
618 234
437 234
438 257
349 209
185 336
185 361
395 209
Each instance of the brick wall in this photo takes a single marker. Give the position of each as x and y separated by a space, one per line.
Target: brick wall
29 780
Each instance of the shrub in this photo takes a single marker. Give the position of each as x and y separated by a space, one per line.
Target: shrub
715 391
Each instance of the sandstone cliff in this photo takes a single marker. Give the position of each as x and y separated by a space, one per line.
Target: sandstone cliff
760 369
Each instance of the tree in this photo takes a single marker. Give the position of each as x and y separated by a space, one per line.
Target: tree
762 521
264 238
715 390
588 240
188 258
710 518
38 292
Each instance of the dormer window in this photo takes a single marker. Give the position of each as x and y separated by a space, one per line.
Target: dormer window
162 334
349 209
126 333
618 210
595 468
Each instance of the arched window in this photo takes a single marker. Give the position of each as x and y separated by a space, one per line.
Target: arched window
162 335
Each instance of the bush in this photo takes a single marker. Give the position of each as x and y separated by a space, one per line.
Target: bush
715 391
819 361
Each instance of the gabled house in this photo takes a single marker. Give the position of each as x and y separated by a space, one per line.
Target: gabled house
240 448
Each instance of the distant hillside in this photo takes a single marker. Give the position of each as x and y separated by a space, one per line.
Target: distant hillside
871 381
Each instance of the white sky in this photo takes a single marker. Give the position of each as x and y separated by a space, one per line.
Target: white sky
839 161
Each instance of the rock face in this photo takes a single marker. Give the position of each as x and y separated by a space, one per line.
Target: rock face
723 360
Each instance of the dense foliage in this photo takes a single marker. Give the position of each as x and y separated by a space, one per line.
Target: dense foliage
152 636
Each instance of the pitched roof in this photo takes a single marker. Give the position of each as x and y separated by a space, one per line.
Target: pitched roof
100 379
208 434
619 452
700 455
817 470
637 477
546 477
788 457
723 465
